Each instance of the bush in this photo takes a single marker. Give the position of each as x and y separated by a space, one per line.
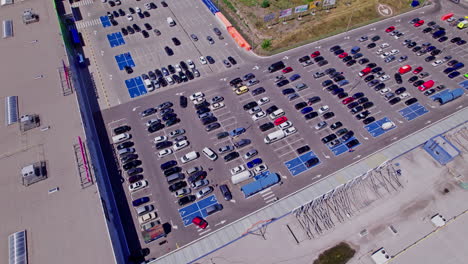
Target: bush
265 4
339 254
266 44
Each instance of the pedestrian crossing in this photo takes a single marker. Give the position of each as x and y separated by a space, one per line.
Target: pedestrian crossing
87 23
82 3
268 195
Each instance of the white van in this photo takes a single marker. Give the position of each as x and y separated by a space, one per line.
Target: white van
189 157
240 177
277 114
170 21
121 138
149 85
274 136
210 154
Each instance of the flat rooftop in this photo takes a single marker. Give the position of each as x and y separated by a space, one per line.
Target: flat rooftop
66 226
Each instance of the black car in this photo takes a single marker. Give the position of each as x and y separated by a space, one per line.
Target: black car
163 145
313 100
369 78
232 60
222 135
177 186
332 87
183 101
164 4
210 59
322 63
168 51
155 127
311 115
311 162
363 100
332 49
398 78
367 105
376 69
121 129
347 58
429 58
231 156
400 90
258 91
375 38
371 65
413 79
327 83
176 41
131 164
328 138
417 83
128 69
411 101
362 115
363 61
129 157
148 26
123 145
130 30
226 192
165 105
271 109
368 120
352 143
124 31
250 105
357 55
266 126
427 30
212 126
338 52
145 33
371 45
328 115
303 149
442 39
358 95
394 100
352 105
319 58
208 120
348 135
189 74
134 171
336 125
145 13
436 52
186 199
300 105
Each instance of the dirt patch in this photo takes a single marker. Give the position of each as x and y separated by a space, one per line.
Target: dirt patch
301 28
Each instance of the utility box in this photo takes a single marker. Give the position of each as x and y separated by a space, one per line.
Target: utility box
28 122
34 173
29 17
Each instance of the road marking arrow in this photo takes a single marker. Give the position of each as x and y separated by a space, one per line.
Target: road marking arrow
220 223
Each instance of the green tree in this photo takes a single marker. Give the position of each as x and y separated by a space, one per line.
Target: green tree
265 4
266 44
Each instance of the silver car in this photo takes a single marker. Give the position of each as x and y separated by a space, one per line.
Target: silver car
204 192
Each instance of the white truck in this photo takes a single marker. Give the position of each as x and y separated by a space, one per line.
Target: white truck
240 177
274 136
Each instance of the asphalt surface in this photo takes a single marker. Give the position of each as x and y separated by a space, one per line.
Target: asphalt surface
274 155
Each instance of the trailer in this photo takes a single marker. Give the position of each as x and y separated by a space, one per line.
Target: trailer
261 182
153 233
240 177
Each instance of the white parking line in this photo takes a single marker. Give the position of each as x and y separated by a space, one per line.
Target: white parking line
266 190
272 200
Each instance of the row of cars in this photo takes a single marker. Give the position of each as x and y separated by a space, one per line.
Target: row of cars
181 72
147 215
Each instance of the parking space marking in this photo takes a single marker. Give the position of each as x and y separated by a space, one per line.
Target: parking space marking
375 128
87 23
135 87
124 59
105 21
196 209
413 111
115 39
297 166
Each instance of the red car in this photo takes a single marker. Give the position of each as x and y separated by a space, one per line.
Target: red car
426 85
347 100
365 71
342 55
280 120
200 222
419 23
315 54
405 69
418 70
287 69
390 29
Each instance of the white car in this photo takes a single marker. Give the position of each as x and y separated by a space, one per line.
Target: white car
180 145
130 17
394 52
437 63
237 169
285 125
159 139
260 168
290 131
138 10
384 55
151 121
147 217
182 192
379 51
384 78
203 192
200 183
137 185
217 106
258 116
202 60
263 101
197 95
198 100
384 45
177 68
169 80
323 109
254 110
164 152
190 64
404 95
384 91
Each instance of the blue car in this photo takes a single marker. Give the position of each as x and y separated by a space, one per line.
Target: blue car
453 74
306 110
343 82
168 164
288 91
140 201
236 132
254 163
337 91
294 77
430 48
358 95
449 70
458 66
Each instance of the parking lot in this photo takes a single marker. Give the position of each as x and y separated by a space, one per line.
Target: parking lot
113 36
296 169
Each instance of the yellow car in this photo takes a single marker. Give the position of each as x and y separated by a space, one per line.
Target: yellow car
241 90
